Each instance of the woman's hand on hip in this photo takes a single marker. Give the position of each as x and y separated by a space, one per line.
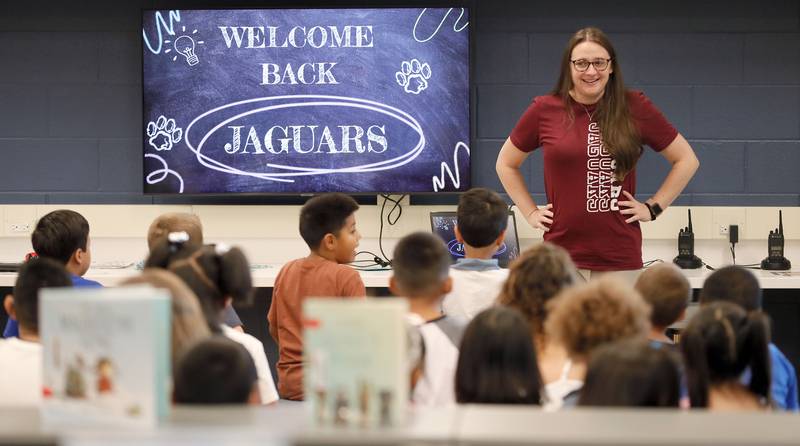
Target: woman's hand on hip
541 218
637 210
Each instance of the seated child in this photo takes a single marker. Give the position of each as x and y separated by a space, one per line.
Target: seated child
720 342
216 370
739 286
585 317
175 222
62 235
189 324
497 361
420 268
666 290
218 275
631 373
328 226
21 358
536 277
477 278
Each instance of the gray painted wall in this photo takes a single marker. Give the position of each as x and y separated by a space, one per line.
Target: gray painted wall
726 73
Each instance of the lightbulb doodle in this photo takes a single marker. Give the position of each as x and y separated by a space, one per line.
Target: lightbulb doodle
413 76
456 27
186 46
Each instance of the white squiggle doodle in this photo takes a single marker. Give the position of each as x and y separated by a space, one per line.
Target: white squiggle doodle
413 76
439 182
161 27
455 25
163 172
163 133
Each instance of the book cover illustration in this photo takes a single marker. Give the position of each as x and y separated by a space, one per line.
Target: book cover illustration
106 355
355 361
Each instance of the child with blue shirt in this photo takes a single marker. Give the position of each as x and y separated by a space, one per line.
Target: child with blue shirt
477 278
63 236
739 286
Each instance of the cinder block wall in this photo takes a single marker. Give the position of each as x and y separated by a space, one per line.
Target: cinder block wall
726 73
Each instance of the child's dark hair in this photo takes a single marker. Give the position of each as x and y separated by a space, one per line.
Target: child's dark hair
324 214
420 262
215 370
667 290
213 272
497 360
34 275
59 234
482 216
732 284
721 341
631 373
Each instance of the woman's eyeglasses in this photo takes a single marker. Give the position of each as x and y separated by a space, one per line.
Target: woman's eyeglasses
583 64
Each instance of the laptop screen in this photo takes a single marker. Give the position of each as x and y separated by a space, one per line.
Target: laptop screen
443 224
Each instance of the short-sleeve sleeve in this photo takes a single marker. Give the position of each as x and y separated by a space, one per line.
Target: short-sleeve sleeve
653 127
525 135
352 285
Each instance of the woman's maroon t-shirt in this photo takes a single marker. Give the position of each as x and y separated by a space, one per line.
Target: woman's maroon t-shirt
579 179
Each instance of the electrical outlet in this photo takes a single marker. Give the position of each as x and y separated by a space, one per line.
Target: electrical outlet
724 229
20 228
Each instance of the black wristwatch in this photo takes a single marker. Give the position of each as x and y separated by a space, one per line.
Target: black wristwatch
655 210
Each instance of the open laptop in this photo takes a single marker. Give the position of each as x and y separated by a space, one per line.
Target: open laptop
443 224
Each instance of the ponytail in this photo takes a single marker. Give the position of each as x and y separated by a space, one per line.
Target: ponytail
722 342
756 342
693 346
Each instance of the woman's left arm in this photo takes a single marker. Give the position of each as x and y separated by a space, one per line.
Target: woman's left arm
684 164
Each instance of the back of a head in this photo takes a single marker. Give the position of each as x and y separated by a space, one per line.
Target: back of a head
216 370
213 272
631 373
325 214
497 360
482 217
59 234
164 224
420 263
189 323
720 342
34 275
602 311
667 290
534 278
732 284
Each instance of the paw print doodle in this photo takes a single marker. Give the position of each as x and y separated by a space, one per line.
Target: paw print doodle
163 133
413 76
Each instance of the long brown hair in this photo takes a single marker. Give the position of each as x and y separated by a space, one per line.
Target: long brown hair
620 135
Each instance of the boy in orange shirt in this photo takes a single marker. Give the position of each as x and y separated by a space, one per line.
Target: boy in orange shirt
328 226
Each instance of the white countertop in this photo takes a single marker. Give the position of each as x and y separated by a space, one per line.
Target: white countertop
264 276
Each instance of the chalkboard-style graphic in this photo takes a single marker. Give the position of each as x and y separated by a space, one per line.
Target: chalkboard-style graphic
439 182
428 17
162 27
163 134
456 249
161 174
413 76
288 101
304 139
185 45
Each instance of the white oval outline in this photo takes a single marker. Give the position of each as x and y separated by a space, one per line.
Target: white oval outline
378 107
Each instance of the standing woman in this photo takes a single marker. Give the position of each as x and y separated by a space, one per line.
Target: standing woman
592 130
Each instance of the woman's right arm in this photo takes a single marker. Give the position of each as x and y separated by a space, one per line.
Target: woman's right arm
508 162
